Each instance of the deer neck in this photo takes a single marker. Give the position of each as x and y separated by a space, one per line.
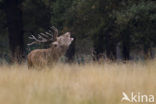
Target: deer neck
57 50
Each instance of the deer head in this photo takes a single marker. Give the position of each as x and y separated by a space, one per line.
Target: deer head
64 40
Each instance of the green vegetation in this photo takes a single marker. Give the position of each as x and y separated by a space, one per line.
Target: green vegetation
98 26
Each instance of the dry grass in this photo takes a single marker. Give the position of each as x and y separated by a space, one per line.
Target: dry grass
76 84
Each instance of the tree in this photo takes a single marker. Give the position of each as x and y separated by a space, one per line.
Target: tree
136 24
15 28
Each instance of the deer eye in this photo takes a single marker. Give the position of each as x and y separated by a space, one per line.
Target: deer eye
55 45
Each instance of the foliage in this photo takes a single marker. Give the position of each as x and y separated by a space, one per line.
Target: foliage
98 25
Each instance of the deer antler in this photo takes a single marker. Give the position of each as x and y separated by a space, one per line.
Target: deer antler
55 32
43 37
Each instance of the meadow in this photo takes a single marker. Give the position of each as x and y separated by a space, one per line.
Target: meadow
90 83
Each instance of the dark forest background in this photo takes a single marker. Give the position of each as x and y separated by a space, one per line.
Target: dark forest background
110 29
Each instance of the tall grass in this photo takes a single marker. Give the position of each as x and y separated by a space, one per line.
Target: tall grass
76 84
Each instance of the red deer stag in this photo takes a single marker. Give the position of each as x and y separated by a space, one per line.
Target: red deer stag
58 47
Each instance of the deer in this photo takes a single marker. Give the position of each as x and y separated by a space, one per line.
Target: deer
45 57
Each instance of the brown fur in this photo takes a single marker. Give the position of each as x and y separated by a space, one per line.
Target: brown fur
42 57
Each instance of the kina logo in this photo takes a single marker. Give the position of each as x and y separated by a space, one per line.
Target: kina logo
137 98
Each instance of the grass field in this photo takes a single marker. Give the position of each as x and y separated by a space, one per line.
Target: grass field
76 84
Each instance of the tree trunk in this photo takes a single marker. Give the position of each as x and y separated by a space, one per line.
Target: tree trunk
71 52
98 46
110 46
15 28
126 45
147 51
